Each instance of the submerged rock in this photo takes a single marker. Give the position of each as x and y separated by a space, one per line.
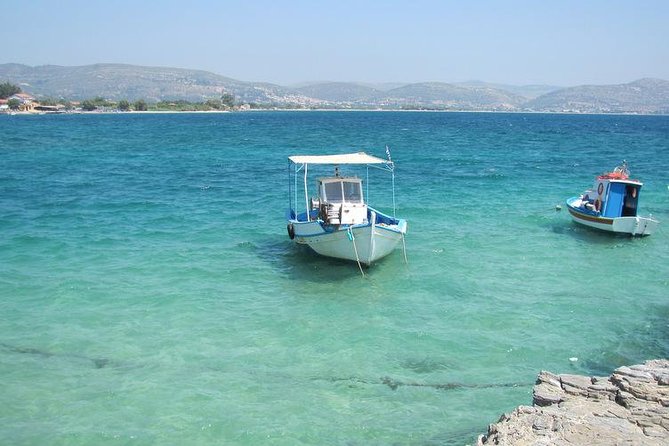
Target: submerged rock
631 407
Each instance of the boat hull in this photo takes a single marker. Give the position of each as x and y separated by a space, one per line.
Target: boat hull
623 225
365 243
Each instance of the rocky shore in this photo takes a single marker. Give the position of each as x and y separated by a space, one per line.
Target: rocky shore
630 407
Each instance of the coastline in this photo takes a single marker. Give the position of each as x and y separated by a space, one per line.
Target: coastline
305 110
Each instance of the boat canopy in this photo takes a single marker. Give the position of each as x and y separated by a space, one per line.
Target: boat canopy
346 158
301 163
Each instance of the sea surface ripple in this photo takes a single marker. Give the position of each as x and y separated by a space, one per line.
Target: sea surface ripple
150 295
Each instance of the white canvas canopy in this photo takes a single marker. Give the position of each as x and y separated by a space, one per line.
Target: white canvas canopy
301 163
347 158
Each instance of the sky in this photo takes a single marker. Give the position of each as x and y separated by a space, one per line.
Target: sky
518 42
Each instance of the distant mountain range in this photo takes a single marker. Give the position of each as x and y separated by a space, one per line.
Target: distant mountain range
118 81
642 96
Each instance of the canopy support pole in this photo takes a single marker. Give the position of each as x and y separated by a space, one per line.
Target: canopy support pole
306 194
393 177
290 192
295 170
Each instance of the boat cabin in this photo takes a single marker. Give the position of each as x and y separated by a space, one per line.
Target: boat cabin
613 197
340 201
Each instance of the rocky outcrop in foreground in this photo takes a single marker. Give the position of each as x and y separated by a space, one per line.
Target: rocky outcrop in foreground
631 407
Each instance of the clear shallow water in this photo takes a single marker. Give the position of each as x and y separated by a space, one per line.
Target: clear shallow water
150 294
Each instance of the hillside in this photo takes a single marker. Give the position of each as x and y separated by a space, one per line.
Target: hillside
131 82
119 81
526 91
642 96
442 95
420 95
346 92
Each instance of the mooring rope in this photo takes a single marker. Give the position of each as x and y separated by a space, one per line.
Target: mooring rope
395 384
404 246
99 363
351 237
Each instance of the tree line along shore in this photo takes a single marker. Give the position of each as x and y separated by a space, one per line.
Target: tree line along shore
13 99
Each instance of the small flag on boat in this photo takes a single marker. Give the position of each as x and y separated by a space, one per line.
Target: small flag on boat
388 153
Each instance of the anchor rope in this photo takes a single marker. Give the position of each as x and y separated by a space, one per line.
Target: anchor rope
404 246
351 237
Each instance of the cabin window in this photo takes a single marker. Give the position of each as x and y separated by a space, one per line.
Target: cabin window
342 191
333 192
352 192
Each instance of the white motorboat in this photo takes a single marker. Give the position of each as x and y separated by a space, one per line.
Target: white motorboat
338 222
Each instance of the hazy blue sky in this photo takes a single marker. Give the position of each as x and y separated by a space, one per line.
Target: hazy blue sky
562 43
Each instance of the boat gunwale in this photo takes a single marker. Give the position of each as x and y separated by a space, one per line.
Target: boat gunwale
395 228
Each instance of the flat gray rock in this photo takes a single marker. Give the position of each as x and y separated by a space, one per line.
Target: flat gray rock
631 407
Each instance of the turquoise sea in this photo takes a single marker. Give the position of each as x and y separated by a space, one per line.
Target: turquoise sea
149 293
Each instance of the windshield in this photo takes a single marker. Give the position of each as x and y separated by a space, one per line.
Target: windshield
352 192
339 191
333 192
